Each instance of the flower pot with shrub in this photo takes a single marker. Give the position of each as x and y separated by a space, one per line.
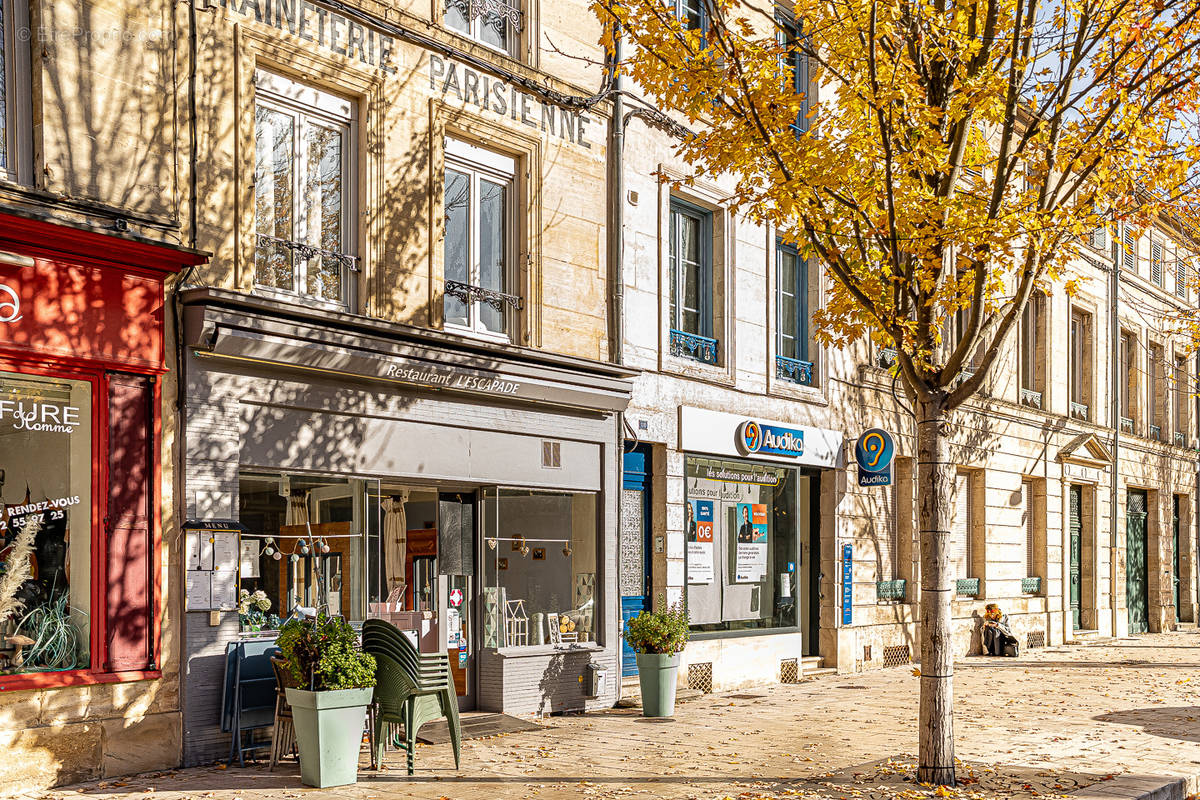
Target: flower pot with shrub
324 658
658 637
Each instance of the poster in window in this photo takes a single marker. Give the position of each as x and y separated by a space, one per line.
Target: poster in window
751 561
700 541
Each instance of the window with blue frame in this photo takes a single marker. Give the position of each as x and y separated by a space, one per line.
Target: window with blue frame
691 13
792 361
690 262
795 66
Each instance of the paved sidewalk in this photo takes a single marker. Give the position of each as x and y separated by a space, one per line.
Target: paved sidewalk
1115 720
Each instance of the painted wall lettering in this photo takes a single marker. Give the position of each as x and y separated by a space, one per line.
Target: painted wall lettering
323 27
448 77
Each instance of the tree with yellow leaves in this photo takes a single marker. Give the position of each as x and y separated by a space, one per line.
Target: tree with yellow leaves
939 161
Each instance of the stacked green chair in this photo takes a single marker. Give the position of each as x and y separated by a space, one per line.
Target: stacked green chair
411 688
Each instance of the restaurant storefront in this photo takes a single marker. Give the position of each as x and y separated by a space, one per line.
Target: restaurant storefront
82 355
462 490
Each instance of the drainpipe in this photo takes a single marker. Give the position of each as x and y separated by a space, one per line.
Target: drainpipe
1114 335
616 282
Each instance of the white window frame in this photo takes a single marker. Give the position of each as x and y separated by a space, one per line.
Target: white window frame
308 105
478 162
474 30
18 102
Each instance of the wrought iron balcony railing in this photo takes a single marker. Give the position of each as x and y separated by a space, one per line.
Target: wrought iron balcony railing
693 346
493 12
891 590
1080 411
887 357
1031 398
1156 432
1180 439
968 587
794 370
306 251
1031 585
1126 425
469 293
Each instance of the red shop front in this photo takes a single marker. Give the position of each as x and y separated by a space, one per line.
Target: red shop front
81 357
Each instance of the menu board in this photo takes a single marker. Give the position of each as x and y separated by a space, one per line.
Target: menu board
212 558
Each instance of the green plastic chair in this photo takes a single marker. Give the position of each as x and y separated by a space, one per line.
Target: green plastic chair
411 689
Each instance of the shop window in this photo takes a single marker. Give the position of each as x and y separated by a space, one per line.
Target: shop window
46 531
478 245
496 24
540 564
303 198
306 547
690 262
744 525
792 310
16 128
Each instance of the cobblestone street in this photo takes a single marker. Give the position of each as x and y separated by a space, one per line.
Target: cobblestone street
1111 720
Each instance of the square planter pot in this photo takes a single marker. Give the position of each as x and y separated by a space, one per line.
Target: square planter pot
657 674
329 729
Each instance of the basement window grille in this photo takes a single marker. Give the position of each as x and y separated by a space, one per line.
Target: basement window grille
897 656
700 677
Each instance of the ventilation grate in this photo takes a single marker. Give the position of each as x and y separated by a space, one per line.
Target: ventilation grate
896 656
700 677
789 670
1035 639
552 455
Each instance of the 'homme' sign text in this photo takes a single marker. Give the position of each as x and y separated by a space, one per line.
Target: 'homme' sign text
499 97
323 27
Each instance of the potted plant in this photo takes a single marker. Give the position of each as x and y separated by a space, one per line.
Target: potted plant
658 637
324 658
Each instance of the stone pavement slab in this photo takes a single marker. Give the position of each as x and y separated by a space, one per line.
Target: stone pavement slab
1117 720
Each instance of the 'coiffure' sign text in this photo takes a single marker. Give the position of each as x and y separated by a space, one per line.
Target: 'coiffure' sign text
719 433
756 437
39 416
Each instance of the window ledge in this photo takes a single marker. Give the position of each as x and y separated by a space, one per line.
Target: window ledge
81 677
549 650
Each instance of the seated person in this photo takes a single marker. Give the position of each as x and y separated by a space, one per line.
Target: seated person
998 638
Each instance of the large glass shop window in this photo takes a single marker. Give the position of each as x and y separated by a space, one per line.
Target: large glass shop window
741 525
45 523
539 568
305 547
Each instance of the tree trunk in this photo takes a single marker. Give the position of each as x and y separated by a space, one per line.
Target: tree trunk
935 487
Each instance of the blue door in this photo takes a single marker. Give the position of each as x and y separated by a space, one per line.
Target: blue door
634 573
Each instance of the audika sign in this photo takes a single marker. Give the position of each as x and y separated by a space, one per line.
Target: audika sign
756 437
874 453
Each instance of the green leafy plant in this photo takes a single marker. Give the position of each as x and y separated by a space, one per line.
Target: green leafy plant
664 632
323 654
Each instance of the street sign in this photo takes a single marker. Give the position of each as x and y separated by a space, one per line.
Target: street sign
847 584
875 452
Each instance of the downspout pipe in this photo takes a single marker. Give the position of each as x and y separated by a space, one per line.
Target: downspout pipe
616 283
1114 335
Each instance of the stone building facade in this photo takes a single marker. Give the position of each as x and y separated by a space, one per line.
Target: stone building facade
1075 515
94 235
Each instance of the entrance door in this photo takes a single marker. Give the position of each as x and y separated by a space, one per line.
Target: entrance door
1076 532
1136 582
456 565
633 547
1175 554
810 517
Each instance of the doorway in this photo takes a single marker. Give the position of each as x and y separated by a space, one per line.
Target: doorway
810 569
1136 577
1175 555
1075 526
634 549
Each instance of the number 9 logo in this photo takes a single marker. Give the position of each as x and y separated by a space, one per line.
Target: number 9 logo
10 305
